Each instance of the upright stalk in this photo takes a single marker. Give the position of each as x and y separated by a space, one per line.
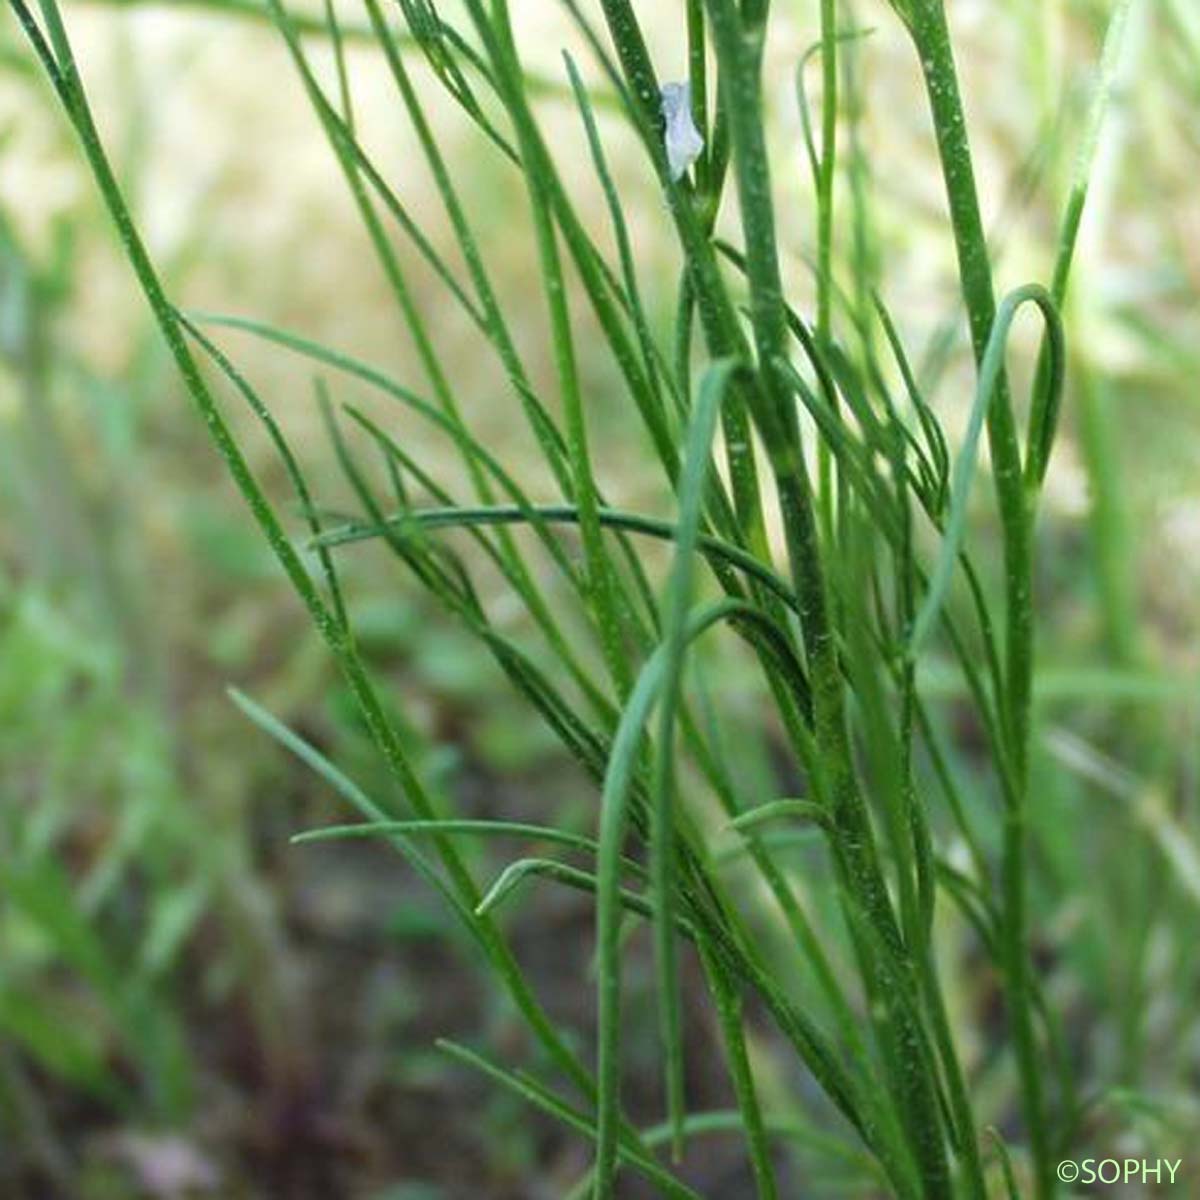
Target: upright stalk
828 163
826 169
739 41
926 20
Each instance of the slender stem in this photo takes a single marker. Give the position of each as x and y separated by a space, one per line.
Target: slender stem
729 1014
603 587
718 315
698 77
927 23
550 514
739 52
826 176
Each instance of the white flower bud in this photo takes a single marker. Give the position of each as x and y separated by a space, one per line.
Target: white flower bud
682 138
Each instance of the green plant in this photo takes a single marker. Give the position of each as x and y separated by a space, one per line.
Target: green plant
854 986
71 742
107 866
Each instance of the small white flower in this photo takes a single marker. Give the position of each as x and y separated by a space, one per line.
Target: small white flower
682 138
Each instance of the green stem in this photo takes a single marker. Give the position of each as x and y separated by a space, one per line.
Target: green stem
729 1013
927 23
826 168
827 165
718 316
739 52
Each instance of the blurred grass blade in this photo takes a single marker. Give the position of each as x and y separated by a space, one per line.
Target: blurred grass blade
697 456
541 1098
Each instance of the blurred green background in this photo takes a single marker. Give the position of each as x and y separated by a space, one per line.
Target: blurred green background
190 1005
